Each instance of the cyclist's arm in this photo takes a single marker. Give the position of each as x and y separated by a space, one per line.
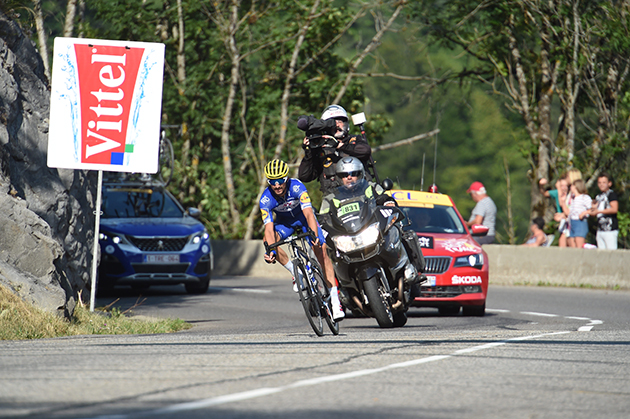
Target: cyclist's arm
311 220
270 233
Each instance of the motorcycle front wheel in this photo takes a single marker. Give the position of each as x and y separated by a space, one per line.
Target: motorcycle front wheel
379 302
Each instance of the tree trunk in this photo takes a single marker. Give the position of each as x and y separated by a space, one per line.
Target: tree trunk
288 83
230 41
181 57
41 35
71 11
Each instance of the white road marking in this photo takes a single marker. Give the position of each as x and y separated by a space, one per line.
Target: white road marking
589 326
585 328
533 313
577 318
250 290
266 391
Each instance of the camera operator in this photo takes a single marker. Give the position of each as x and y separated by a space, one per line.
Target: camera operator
321 158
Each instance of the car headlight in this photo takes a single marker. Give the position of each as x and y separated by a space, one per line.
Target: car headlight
199 237
116 238
472 261
367 237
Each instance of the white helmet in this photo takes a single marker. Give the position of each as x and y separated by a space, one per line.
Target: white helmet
337 112
352 166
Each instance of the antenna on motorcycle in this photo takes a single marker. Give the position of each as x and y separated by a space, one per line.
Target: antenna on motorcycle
359 119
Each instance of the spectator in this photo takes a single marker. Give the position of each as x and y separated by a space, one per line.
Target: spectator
578 212
538 236
571 176
485 212
559 195
605 207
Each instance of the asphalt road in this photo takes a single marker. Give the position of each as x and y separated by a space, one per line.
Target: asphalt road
538 353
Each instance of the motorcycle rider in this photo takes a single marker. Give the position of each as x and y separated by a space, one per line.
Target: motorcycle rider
351 172
286 206
320 163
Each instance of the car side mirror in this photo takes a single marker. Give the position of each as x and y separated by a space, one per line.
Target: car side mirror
479 230
194 213
387 184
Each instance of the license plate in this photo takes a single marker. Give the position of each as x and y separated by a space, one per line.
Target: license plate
161 258
430 281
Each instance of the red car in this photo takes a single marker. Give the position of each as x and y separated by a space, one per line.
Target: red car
456 266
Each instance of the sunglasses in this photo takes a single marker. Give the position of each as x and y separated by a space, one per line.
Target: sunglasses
277 182
356 173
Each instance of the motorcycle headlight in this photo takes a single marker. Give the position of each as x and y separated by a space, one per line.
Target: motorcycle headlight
472 261
201 236
367 237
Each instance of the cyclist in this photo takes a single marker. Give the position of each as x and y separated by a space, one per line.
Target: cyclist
287 199
320 163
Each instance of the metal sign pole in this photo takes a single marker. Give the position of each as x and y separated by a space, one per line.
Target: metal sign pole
97 223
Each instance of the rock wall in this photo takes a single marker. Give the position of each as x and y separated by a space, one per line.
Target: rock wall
46 215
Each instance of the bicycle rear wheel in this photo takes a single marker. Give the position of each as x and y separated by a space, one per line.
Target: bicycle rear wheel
167 161
323 297
308 297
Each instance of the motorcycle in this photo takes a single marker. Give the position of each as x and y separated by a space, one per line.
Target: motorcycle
369 255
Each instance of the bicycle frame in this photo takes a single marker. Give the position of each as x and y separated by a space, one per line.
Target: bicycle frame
309 278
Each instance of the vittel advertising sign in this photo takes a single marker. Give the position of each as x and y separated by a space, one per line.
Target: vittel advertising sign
106 99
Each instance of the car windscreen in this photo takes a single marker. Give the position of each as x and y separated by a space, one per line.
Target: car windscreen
138 203
434 219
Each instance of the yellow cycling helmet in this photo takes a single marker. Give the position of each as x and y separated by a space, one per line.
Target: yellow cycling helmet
276 169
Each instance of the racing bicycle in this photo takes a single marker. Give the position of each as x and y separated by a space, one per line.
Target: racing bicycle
309 278
166 156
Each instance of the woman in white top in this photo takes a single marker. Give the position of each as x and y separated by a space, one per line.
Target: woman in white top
578 214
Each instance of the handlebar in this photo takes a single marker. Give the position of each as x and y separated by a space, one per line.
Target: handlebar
309 233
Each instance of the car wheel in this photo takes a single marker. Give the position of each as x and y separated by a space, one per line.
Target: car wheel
478 311
449 311
200 288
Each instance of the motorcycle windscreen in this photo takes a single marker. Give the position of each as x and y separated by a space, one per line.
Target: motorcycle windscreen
354 207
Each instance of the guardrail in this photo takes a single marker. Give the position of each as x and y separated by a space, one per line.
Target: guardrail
509 265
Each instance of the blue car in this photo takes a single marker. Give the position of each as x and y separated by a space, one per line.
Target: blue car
147 238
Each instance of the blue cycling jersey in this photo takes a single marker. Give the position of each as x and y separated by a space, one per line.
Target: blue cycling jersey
287 210
288 207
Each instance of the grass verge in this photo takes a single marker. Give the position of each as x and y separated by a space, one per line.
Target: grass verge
20 320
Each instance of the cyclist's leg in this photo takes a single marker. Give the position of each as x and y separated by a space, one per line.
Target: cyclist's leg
321 253
282 232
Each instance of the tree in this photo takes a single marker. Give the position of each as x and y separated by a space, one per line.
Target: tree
543 54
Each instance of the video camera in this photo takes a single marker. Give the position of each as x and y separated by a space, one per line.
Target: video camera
316 129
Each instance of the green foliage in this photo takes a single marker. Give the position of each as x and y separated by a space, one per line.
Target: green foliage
265 41
624 229
450 47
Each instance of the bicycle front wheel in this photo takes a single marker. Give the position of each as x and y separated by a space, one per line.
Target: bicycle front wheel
308 297
323 297
166 161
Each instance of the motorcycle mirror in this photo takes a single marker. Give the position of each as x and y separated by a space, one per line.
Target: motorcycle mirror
359 118
387 184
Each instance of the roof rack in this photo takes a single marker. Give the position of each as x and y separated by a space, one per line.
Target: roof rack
131 179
